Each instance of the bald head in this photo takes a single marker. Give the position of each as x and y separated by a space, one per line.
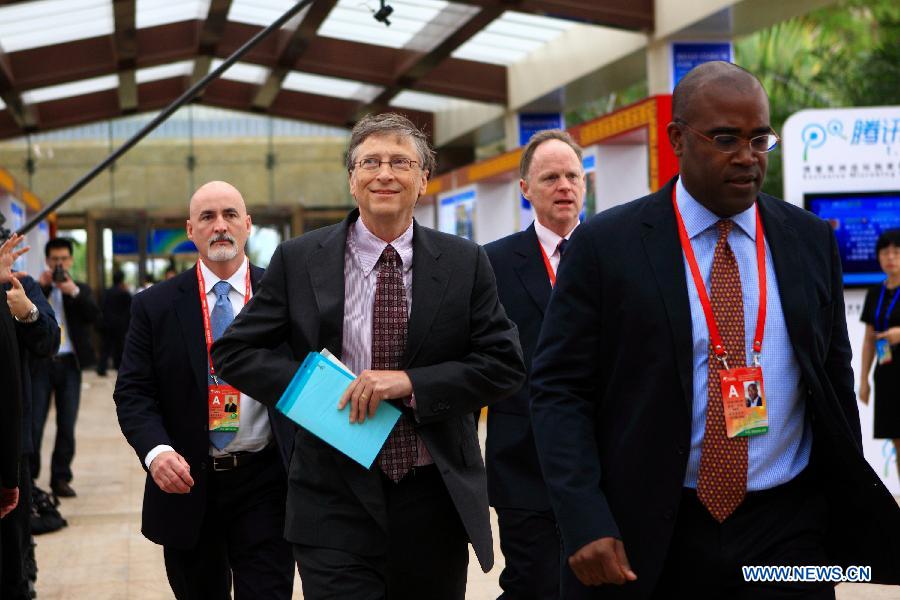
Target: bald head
219 225
706 78
216 189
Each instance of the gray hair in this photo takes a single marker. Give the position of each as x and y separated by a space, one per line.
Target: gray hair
539 138
387 124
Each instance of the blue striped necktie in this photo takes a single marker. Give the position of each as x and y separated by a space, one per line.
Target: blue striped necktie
219 319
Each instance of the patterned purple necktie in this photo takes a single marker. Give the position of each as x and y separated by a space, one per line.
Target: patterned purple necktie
389 320
722 477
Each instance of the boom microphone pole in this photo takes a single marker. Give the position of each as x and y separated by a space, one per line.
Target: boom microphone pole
186 97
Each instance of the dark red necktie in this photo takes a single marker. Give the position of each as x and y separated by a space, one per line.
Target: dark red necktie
722 477
389 320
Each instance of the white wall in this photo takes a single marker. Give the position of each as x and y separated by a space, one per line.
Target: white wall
426 214
498 208
622 173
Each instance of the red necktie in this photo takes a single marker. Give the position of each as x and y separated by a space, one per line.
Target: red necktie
389 319
722 478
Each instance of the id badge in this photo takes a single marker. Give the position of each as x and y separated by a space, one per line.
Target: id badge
224 408
744 402
883 352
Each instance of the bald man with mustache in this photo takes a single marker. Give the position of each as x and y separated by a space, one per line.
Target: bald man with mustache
216 479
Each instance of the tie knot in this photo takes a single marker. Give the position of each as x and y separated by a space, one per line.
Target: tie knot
222 288
389 257
724 226
561 247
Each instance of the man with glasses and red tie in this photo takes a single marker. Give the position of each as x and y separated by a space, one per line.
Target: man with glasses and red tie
699 289
552 180
414 313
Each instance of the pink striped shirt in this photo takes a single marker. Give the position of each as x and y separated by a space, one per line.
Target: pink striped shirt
360 258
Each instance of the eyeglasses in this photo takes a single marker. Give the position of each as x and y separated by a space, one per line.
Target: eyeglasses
398 163
727 143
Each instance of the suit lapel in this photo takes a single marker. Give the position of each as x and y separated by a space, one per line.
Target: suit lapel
664 253
531 268
188 311
326 271
429 282
784 244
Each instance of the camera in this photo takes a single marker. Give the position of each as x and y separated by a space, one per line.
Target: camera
59 274
383 13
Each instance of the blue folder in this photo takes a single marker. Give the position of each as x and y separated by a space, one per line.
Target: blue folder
311 400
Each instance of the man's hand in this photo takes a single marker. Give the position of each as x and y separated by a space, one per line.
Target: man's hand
171 473
19 304
8 255
46 278
9 498
366 392
602 561
68 287
892 335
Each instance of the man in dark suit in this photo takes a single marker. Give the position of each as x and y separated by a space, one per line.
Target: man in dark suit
415 314
116 307
60 376
214 497
525 263
651 496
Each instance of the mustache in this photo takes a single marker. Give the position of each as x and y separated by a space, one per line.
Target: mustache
223 237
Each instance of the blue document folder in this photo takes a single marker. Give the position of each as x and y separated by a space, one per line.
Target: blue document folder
311 400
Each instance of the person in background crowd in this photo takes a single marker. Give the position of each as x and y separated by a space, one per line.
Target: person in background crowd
881 344
116 308
60 376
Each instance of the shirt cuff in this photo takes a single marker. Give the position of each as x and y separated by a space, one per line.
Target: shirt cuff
156 452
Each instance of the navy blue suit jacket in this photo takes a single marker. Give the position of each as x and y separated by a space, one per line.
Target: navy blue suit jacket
513 470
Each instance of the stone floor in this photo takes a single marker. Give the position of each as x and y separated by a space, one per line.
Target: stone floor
102 555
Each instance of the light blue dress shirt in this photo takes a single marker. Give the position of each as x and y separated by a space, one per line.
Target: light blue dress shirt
779 455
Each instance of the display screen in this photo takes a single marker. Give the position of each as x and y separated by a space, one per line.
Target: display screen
858 218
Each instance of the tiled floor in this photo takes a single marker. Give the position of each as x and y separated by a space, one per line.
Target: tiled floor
102 555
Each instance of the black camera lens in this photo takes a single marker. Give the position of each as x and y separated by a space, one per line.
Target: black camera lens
59 274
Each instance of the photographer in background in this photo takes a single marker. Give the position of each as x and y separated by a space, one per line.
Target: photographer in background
75 308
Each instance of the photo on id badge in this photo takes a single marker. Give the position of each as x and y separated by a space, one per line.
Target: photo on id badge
753 394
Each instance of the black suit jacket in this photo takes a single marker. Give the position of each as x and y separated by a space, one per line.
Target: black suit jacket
37 341
10 399
161 398
461 354
513 471
617 342
81 312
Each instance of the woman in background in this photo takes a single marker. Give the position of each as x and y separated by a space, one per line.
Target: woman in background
881 344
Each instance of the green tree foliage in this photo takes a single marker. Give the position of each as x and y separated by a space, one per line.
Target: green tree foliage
847 54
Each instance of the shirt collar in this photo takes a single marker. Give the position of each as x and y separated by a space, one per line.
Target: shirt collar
697 218
237 280
548 239
367 247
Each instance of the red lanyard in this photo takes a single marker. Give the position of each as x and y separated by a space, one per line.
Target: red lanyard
718 346
547 264
206 328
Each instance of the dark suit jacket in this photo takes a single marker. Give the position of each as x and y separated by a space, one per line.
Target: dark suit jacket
37 341
461 354
617 341
513 471
81 312
10 399
161 398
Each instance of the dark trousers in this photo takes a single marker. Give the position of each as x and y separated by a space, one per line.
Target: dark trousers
781 526
15 533
60 377
111 346
531 548
241 538
427 554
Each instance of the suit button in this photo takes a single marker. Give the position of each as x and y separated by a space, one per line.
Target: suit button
203 466
680 450
668 514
